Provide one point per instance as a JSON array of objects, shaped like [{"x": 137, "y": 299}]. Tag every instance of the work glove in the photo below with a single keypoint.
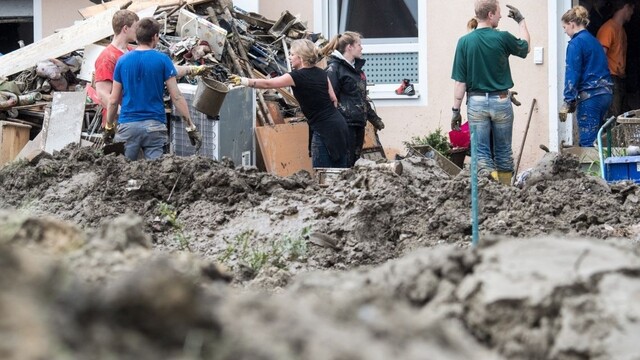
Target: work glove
[
  {"x": 108, "y": 133},
  {"x": 456, "y": 120},
  {"x": 197, "y": 70},
  {"x": 515, "y": 14},
  {"x": 512, "y": 95},
  {"x": 566, "y": 108},
  {"x": 195, "y": 137},
  {"x": 238, "y": 80},
  {"x": 377, "y": 123}
]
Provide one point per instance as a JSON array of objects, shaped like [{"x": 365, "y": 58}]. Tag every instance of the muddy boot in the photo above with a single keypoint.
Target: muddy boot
[{"x": 504, "y": 177}]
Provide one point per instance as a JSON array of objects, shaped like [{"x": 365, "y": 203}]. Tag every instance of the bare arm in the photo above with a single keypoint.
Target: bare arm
[
  {"x": 114, "y": 100},
  {"x": 178, "y": 100},
  {"x": 459, "y": 88},
  {"x": 277, "y": 82},
  {"x": 103, "y": 88},
  {"x": 524, "y": 33}
]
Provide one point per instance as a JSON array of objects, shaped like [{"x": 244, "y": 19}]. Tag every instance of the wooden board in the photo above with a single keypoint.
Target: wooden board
[
  {"x": 64, "y": 126},
  {"x": 58, "y": 44},
  {"x": 135, "y": 6},
  {"x": 13, "y": 137},
  {"x": 285, "y": 148}
]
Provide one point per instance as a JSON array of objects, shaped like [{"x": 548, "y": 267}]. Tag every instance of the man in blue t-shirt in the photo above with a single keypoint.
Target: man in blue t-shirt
[
  {"x": 481, "y": 69},
  {"x": 138, "y": 84}
]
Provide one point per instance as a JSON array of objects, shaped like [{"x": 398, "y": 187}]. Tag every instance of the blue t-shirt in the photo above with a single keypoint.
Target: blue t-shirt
[
  {"x": 142, "y": 74},
  {"x": 587, "y": 68}
]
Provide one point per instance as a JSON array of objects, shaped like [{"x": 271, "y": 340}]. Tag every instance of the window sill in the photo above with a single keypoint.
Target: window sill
[{"x": 391, "y": 95}]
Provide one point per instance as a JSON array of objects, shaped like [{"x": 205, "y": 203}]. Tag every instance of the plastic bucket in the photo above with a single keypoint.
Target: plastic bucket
[{"x": 209, "y": 96}]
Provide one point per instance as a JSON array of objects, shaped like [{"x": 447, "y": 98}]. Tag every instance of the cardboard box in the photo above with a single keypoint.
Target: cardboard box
[{"x": 13, "y": 137}]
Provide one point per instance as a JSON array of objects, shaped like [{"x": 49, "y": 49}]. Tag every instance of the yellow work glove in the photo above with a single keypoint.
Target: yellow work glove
[
  {"x": 109, "y": 133},
  {"x": 197, "y": 70},
  {"x": 238, "y": 80}
]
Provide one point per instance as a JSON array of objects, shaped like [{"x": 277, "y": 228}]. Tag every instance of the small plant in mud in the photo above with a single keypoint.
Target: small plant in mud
[
  {"x": 436, "y": 139},
  {"x": 277, "y": 252},
  {"x": 170, "y": 215}
]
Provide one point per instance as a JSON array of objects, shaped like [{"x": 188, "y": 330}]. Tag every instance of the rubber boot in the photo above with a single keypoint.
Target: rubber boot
[
  {"x": 494, "y": 176},
  {"x": 504, "y": 177}
]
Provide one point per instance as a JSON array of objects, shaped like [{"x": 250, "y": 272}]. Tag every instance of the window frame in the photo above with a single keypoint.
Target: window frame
[{"x": 326, "y": 22}]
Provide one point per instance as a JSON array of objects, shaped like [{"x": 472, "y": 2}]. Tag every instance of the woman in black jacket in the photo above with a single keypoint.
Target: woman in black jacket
[{"x": 344, "y": 68}]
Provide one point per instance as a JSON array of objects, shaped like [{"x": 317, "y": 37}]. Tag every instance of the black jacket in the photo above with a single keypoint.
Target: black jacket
[{"x": 350, "y": 85}]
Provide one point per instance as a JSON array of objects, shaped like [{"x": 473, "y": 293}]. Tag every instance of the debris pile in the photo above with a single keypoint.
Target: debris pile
[{"x": 225, "y": 39}]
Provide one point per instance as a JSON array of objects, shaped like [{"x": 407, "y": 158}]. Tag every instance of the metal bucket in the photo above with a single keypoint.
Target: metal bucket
[{"x": 209, "y": 96}]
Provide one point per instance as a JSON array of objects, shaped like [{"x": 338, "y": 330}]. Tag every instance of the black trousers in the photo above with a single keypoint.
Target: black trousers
[{"x": 356, "y": 142}]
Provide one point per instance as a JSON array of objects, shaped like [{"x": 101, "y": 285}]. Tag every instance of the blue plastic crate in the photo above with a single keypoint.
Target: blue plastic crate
[{"x": 622, "y": 168}]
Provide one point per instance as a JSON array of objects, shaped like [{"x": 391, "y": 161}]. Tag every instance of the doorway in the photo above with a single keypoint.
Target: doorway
[{"x": 599, "y": 12}]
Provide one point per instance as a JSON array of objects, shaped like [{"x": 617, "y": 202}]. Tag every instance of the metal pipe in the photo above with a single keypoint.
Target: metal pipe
[
  {"x": 524, "y": 138},
  {"x": 474, "y": 187}
]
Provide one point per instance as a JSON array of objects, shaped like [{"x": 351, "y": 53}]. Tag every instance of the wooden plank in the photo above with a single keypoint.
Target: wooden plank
[
  {"x": 135, "y": 6},
  {"x": 13, "y": 137},
  {"x": 285, "y": 148},
  {"x": 64, "y": 126},
  {"x": 58, "y": 44}
]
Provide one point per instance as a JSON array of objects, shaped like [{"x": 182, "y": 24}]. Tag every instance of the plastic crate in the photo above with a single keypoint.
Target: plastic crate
[
  {"x": 622, "y": 168},
  {"x": 628, "y": 130}
]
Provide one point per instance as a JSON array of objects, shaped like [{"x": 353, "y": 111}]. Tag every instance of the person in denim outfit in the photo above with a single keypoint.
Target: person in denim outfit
[
  {"x": 588, "y": 87},
  {"x": 138, "y": 83},
  {"x": 481, "y": 69}
]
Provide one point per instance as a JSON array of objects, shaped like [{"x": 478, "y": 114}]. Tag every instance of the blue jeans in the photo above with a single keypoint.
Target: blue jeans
[
  {"x": 492, "y": 117},
  {"x": 150, "y": 136},
  {"x": 320, "y": 157},
  {"x": 590, "y": 114}
]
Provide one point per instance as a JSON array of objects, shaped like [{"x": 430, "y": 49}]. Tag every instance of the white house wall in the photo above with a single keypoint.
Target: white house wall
[{"x": 445, "y": 23}]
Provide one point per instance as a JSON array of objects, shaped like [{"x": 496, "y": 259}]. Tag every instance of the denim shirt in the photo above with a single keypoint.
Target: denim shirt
[{"x": 587, "y": 71}]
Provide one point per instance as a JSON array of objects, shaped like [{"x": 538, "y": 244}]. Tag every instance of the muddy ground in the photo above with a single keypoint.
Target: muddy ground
[{"x": 189, "y": 258}]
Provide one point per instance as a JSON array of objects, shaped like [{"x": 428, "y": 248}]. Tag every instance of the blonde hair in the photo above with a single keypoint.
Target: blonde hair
[
  {"x": 306, "y": 50},
  {"x": 122, "y": 18},
  {"x": 340, "y": 42},
  {"x": 577, "y": 14},
  {"x": 472, "y": 24}
]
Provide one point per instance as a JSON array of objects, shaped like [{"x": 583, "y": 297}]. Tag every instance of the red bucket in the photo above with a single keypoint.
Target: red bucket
[{"x": 460, "y": 138}]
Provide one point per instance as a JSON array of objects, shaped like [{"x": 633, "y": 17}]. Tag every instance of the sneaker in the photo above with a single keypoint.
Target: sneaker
[{"x": 406, "y": 88}]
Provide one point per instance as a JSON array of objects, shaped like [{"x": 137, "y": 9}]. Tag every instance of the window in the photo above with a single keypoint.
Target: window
[{"x": 391, "y": 43}]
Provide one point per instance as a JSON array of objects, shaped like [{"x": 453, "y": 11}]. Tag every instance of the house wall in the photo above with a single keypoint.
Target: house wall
[
  {"x": 64, "y": 16},
  {"x": 272, "y": 9},
  {"x": 446, "y": 22}
]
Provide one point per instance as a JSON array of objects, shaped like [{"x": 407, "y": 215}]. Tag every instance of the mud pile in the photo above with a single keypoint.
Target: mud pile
[
  {"x": 259, "y": 224},
  {"x": 105, "y": 258},
  {"x": 546, "y": 298}
]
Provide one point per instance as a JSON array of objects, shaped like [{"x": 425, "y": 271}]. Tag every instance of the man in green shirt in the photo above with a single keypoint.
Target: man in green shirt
[{"x": 481, "y": 69}]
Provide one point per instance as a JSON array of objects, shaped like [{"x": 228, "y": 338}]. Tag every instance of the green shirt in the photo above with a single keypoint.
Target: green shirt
[{"x": 482, "y": 59}]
